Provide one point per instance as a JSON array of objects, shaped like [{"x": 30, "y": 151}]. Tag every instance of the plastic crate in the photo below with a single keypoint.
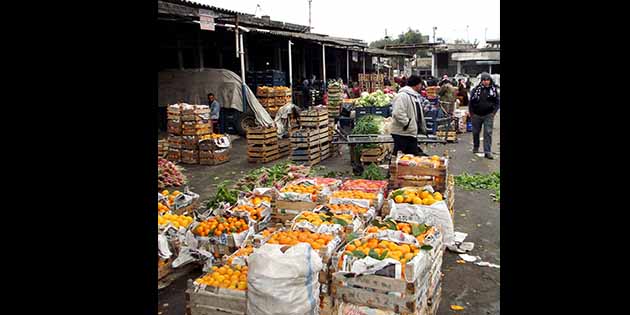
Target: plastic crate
[
  {"x": 382, "y": 111},
  {"x": 362, "y": 111}
]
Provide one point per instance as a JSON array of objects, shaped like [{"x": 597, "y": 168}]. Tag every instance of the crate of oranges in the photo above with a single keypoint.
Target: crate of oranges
[
  {"x": 258, "y": 216},
  {"x": 223, "y": 235},
  {"x": 239, "y": 257},
  {"x": 410, "y": 170},
  {"x": 403, "y": 272},
  {"x": 421, "y": 205},
  {"x": 325, "y": 244},
  {"x": 323, "y": 220},
  {"x": 221, "y": 291},
  {"x": 424, "y": 234},
  {"x": 365, "y": 213},
  {"x": 175, "y": 220},
  {"x": 297, "y": 196},
  {"x": 358, "y": 197},
  {"x": 366, "y": 185}
]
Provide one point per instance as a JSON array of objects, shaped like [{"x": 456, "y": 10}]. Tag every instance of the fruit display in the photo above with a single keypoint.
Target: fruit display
[
  {"x": 304, "y": 187},
  {"x": 216, "y": 226},
  {"x": 255, "y": 213},
  {"x": 412, "y": 160},
  {"x": 379, "y": 250},
  {"x": 227, "y": 277},
  {"x": 162, "y": 208},
  {"x": 345, "y": 208},
  {"x": 316, "y": 240},
  {"x": 417, "y": 230},
  {"x": 169, "y": 174},
  {"x": 365, "y": 185},
  {"x": 175, "y": 220},
  {"x": 416, "y": 196},
  {"x": 318, "y": 219},
  {"x": 170, "y": 196},
  {"x": 245, "y": 251},
  {"x": 331, "y": 183},
  {"x": 257, "y": 201}
]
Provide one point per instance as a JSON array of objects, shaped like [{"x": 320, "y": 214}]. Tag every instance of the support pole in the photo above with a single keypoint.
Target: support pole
[
  {"x": 324, "y": 64},
  {"x": 242, "y": 55},
  {"x": 348, "y": 67},
  {"x": 459, "y": 67},
  {"x": 433, "y": 63},
  {"x": 291, "y": 70},
  {"x": 363, "y": 55}
]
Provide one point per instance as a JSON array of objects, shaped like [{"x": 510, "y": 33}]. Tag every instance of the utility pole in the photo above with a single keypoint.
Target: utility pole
[
  {"x": 309, "y": 15},
  {"x": 485, "y": 35},
  {"x": 467, "y": 35},
  {"x": 434, "y": 28}
]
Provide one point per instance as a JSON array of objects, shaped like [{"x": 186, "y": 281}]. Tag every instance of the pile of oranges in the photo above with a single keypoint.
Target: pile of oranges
[
  {"x": 355, "y": 194},
  {"x": 170, "y": 196},
  {"x": 316, "y": 240},
  {"x": 228, "y": 277},
  {"x": 318, "y": 219},
  {"x": 405, "y": 228},
  {"x": 434, "y": 160},
  {"x": 416, "y": 196},
  {"x": 256, "y": 201},
  {"x": 365, "y": 185},
  {"x": 381, "y": 249},
  {"x": 176, "y": 220},
  {"x": 245, "y": 251},
  {"x": 268, "y": 231},
  {"x": 313, "y": 190},
  {"x": 220, "y": 225},
  {"x": 254, "y": 213},
  {"x": 347, "y": 208},
  {"x": 162, "y": 208}
]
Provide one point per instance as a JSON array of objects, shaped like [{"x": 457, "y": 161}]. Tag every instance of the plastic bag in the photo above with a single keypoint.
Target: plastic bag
[{"x": 283, "y": 283}]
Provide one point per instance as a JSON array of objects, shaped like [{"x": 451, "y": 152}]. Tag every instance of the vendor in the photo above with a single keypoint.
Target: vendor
[
  {"x": 408, "y": 118},
  {"x": 215, "y": 110}
]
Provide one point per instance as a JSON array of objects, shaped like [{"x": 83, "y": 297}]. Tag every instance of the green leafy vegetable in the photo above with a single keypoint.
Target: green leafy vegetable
[
  {"x": 373, "y": 172},
  {"x": 339, "y": 221},
  {"x": 351, "y": 237},
  {"x": 418, "y": 229},
  {"x": 490, "y": 181},
  {"x": 358, "y": 253},
  {"x": 426, "y": 247}
]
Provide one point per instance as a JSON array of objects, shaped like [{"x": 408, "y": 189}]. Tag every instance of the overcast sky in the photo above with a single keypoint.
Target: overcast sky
[{"x": 368, "y": 19}]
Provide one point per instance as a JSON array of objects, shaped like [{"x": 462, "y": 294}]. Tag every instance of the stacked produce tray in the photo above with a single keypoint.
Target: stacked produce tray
[
  {"x": 311, "y": 143},
  {"x": 262, "y": 145}
]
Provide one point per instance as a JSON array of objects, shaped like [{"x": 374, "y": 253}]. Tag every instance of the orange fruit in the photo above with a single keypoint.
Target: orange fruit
[
  {"x": 399, "y": 199},
  {"x": 417, "y": 201}
]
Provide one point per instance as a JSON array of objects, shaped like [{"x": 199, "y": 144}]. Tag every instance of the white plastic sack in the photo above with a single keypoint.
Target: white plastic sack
[{"x": 283, "y": 283}]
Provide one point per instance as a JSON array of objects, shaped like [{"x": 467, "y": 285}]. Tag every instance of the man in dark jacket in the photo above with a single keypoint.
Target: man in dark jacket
[{"x": 483, "y": 105}]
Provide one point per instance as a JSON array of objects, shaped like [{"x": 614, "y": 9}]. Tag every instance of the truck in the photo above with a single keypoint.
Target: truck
[{"x": 239, "y": 107}]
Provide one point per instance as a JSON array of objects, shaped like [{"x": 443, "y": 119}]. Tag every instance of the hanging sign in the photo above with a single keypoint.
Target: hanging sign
[{"x": 206, "y": 20}]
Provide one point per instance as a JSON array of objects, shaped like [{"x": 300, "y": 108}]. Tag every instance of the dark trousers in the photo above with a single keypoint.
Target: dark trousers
[
  {"x": 486, "y": 121},
  {"x": 406, "y": 144}
]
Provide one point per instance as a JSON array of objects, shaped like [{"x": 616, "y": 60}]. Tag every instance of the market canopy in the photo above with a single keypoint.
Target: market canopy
[{"x": 387, "y": 53}]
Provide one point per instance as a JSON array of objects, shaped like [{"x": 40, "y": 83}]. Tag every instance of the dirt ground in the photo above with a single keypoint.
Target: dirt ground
[{"x": 474, "y": 287}]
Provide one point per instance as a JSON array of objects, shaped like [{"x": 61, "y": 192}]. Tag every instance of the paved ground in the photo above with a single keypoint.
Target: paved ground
[{"x": 473, "y": 287}]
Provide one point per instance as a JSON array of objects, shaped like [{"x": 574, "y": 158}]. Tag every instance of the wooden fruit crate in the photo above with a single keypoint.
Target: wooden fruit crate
[
  {"x": 174, "y": 155},
  {"x": 437, "y": 175},
  {"x": 261, "y": 133},
  {"x": 373, "y": 155},
  {"x": 374, "y": 291},
  {"x": 450, "y": 137},
  {"x": 177, "y": 273},
  {"x": 215, "y": 301}
]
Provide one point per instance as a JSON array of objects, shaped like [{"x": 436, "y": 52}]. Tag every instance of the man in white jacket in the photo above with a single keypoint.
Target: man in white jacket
[{"x": 408, "y": 118}]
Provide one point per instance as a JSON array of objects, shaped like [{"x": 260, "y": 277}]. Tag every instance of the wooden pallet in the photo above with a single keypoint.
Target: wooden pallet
[
  {"x": 252, "y": 147},
  {"x": 373, "y": 291},
  {"x": 315, "y": 124},
  {"x": 215, "y": 301}
]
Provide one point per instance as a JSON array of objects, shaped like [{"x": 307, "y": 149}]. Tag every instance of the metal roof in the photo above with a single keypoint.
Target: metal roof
[
  {"x": 314, "y": 37},
  {"x": 384, "y": 52},
  {"x": 205, "y": 6}
]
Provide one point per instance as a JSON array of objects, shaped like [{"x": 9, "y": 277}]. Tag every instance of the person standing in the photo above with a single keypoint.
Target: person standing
[
  {"x": 448, "y": 95},
  {"x": 445, "y": 80},
  {"x": 408, "y": 118},
  {"x": 463, "y": 92},
  {"x": 484, "y": 104},
  {"x": 215, "y": 112}
]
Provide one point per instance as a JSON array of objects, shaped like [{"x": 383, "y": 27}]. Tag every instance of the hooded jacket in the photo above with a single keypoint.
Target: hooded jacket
[
  {"x": 406, "y": 118},
  {"x": 484, "y": 100}
]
